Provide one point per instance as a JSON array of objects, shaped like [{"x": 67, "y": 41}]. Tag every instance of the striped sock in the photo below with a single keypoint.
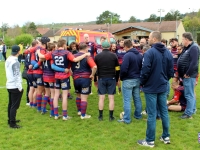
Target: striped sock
[
  {"x": 39, "y": 101},
  {"x": 51, "y": 107},
  {"x": 83, "y": 108},
  {"x": 44, "y": 104},
  {"x": 64, "y": 112},
  {"x": 31, "y": 104},
  {"x": 48, "y": 101},
  {"x": 34, "y": 104},
  {"x": 78, "y": 103},
  {"x": 56, "y": 111}
]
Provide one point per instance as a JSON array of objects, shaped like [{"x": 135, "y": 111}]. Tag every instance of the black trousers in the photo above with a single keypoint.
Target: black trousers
[
  {"x": 4, "y": 55},
  {"x": 20, "y": 58},
  {"x": 14, "y": 96},
  {"x": 27, "y": 91}
]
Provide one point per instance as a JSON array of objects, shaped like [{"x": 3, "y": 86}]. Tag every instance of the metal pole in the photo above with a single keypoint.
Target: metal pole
[{"x": 111, "y": 20}]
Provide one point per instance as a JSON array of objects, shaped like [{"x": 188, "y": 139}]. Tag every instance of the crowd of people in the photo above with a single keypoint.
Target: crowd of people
[{"x": 145, "y": 66}]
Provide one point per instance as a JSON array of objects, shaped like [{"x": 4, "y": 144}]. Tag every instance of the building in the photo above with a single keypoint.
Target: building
[
  {"x": 168, "y": 29},
  {"x": 51, "y": 34}
]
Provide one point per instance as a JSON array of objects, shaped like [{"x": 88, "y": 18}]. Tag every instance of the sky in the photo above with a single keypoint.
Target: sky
[{"x": 71, "y": 11}]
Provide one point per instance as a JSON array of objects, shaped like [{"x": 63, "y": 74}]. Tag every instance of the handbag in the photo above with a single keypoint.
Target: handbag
[{"x": 24, "y": 74}]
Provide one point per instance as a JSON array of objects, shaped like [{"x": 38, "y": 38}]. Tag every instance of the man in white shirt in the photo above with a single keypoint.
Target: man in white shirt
[{"x": 13, "y": 85}]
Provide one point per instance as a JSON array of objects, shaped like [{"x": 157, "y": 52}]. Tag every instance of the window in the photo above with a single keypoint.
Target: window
[{"x": 69, "y": 39}]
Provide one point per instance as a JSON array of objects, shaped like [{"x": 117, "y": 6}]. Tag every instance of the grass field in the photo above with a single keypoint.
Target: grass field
[{"x": 39, "y": 132}]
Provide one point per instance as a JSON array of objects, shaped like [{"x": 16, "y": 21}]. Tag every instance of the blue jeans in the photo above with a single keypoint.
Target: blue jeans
[
  {"x": 1, "y": 56},
  {"x": 131, "y": 88},
  {"x": 189, "y": 84},
  {"x": 153, "y": 101}
]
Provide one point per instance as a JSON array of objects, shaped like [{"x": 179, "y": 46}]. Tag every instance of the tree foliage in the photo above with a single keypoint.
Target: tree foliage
[
  {"x": 30, "y": 28},
  {"x": 25, "y": 38},
  {"x": 14, "y": 31},
  {"x": 172, "y": 15},
  {"x": 107, "y": 16},
  {"x": 132, "y": 19},
  {"x": 153, "y": 18},
  {"x": 9, "y": 41}
]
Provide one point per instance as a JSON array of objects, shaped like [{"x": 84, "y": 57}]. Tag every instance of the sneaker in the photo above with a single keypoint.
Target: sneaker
[
  {"x": 66, "y": 118},
  {"x": 184, "y": 116},
  {"x": 70, "y": 97},
  {"x": 120, "y": 120},
  {"x": 79, "y": 113},
  {"x": 86, "y": 116},
  {"x": 145, "y": 143},
  {"x": 15, "y": 126},
  {"x": 165, "y": 140},
  {"x": 27, "y": 104},
  {"x": 57, "y": 117},
  {"x": 144, "y": 112},
  {"x": 111, "y": 118},
  {"x": 44, "y": 112},
  {"x": 91, "y": 93},
  {"x": 100, "y": 118}
]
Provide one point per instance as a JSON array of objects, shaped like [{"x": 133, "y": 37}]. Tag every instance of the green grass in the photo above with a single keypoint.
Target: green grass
[{"x": 39, "y": 132}]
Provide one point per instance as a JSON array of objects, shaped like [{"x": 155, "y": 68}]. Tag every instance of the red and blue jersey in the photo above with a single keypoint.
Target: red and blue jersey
[
  {"x": 48, "y": 73},
  {"x": 92, "y": 49},
  {"x": 28, "y": 61},
  {"x": 62, "y": 59},
  {"x": 99, "y": 49},
  {"x": 82, "y": 69},
  {"x": 120, "y": 52},
  {"x": 175, "y": 57}
]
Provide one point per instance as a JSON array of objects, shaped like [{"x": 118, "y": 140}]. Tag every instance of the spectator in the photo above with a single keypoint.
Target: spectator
[
  {"x": 4, "y": 51},
  {"x": 188, "y": 64},
  {"x": 1, "y": 51},
  {"x": 13, "y": 85},
  {"x": 107, "y": 78},
  {"x": 73, "y": 47},
  {"x": 20, "y": 52},
  {"x": 161, "y": 70},
  {"x": 163, "y": 41},
  {"x": 130, "y": 76},
  {"x": 145, "y": 48}
]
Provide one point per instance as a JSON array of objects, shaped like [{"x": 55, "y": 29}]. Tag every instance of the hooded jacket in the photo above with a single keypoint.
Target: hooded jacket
[
  {"x": 157, "y": 69},
  {"x": 131, "y": 65}
]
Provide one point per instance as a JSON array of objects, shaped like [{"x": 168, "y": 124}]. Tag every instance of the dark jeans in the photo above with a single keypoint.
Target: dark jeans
[
  {"x": 14, "y": 101},
  {"x": 27, "y": 91},
  {"x": 4, "y": 56}
]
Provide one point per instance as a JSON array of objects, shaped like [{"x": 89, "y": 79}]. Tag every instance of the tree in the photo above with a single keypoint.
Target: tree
[
  {"x": 9, "y": 41},
  {"x": 24, "y": 38},
  {"x": 171, "y": 16},
  {"x": 14, "y": 31},
  {"x": 107, "y": 16},
  {"x": 132, "y": 19},
  {"x": 32, "y": 29},
  {"x": 152, "y": 18}
]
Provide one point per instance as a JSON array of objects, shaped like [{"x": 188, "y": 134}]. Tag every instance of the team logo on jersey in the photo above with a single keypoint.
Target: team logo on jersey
[
  {"x": 85, "y": 90},
  {"x": 99, "y": 50},
  {"x": 89, "y": 44},
  {"x": 39, "y": 80},
  {"x": 34, "y": 84},
  {"x": 175, "y": 56},
  {"x": 51, "y": 84},
  {"x": 45, "y": 83},
  {"x": 57, "y": 85},
  {"x": 64, "y": 85},
  {"x": 121, "y": 51}
]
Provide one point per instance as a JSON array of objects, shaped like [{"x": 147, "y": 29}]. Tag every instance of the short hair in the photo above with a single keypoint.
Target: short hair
[
  {"x": 164, "y": 41},
  {"x": 103, "y": 37},
  {"x": 51, "y": 46},
  {"x": 156, "y": 35},
  {"x": 146, "y": 47},
  {"x": 83, "y": 46},
  {"x": 61, "y": 42},
  {"x": 128, "y": 43},
  {"x": 188, "y": 36},
  {"x": 173, "y": 39},
  {"x": 121, "y": 40},
  {"x": 34, "y": 43},
  {"x": 73, "y": 43}
]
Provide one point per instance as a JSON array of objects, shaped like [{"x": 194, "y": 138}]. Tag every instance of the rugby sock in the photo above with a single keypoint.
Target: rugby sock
[
  {"x": 34, "y": 104},
  {"x": 78, "y": 103},
  {"x": 39, "y": 101},
  {"x": 56, "y": 111},
  {"x": 111, "y": 113},
  {"x": 83, "y": 108},
  {"x": 100, "y": 113},
  {"x": 51, "y": 107},
  {"x": 45, "y": 99},
  {"x": 64, "y": 112},
  {"x": 48, "y": 101},
  {"x": 31, "y": 104}
]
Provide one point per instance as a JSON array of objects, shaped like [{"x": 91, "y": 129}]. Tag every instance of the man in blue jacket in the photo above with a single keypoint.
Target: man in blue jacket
[
  {"x": 130, "y": 77},
  {"x": 156, "y": 71}
]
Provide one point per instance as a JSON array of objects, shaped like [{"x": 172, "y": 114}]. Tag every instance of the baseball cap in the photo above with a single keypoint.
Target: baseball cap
[
  {"x": 105, "y": 44},
  {"x": 15, "y": 49}
]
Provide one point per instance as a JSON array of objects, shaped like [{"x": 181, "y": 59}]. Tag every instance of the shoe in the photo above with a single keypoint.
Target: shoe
[
  {"x": 66, "y": 118},
  {"x": 44, "y": 112},
  {"x": 79, "y": 113},
  {"x": 100, "y": 118},
  {"x": 111, "y": 118},
  {"x": 120, "y": 120},
  {"x": 184, "y": 116},
  {"x": 91, "y": 93},
  {"x": 165, "y": 140},
  {"x": 144, "y": 112},
  {"x": 15, "y": 126},
  {"x": 70, "y": 97},
  {"x": 158, "y": 118},
  {"x": 86, "y": 116},
  {"x": 145, "y": 143},
  {"x": 57, "y": 117},
  {"x": 51, "y": 116},
  {"x": 16, "y": 121},
  {"x": 27, "y": 104}
]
